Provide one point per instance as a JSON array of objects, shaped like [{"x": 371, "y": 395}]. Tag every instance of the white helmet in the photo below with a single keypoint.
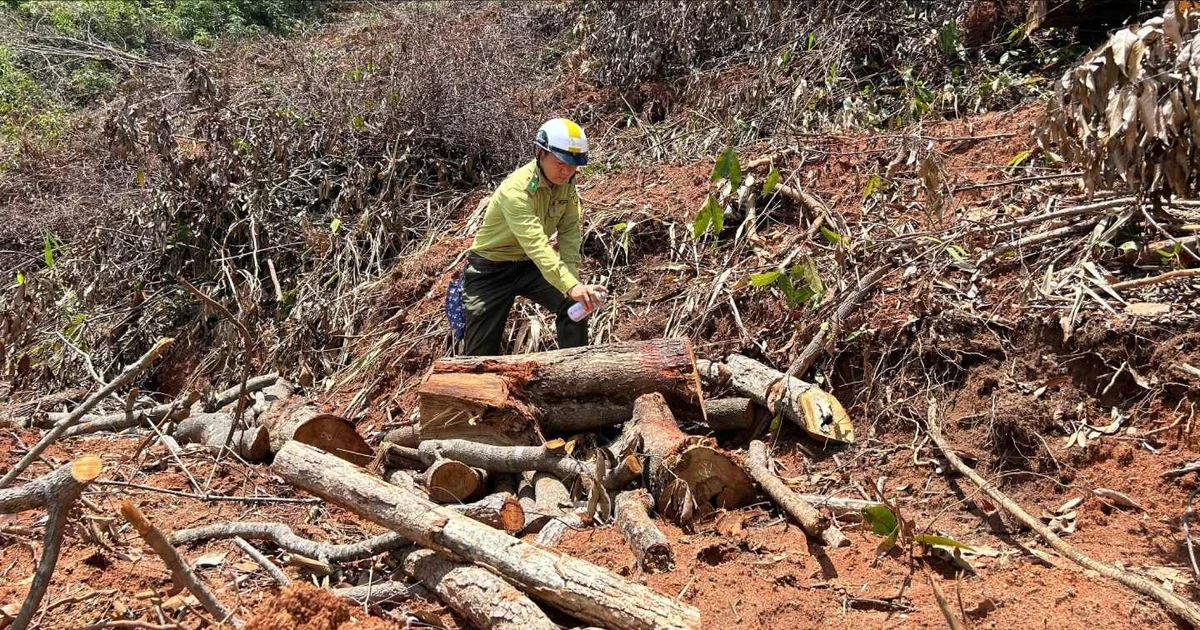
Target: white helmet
[{"x": 565, "y": 140}]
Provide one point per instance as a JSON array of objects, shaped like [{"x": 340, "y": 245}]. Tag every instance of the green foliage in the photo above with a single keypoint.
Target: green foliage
[
  {"x": 833, "y": 237},
  {"x": 772, "y": 182},
  {"x": 933, "y": 540},
  {"x": 949, "y": 39},
  {"x": 711, "y": 216},
  {"x": 800, "y": 285},
  {"x": 872, "y": 186},
  {"x": 50, "y": 246},
  {"x": 727, "y": 167},
  {"x": 883, "y": 522}
]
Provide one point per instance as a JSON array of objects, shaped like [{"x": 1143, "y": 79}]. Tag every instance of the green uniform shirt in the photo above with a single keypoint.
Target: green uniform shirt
[{"x": 522, "y": 215}]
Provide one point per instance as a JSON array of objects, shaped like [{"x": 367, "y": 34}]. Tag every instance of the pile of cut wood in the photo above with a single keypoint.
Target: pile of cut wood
[{"x": 508, "y": 454}]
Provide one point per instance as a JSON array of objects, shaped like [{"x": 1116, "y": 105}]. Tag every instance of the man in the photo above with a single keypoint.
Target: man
[{"x": 512, "y": 255}]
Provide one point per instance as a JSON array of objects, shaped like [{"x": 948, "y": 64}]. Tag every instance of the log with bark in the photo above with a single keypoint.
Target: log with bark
[
  {"x": 483, "y": 598},
  {"x": 57, "y": 492},
  {"x": 551, "y": 457},
  {"x": 283, "y": 537},
  {"x": 687, "y": 476},
  {"x": 818, "y": 413},
  {"x": 450, "y": 481},
  {"x": 210, "y": 429},
  {"x": 518, "y": 399},
  {"x": 408, "y": 435},
  {"x": 729, "y": 414},
  {"x": 758, "y": 463},
  {"x": 306, "y": 423},
  {"x": 574, "y": 586},
  {"x": 650, "y": 545}
]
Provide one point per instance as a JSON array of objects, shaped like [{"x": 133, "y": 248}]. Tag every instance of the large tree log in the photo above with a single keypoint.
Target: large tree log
[
  {"x": 759, "y": 465},
  {"x": 211, "y": 429},
  {"x": 687, "y": 476},
  {"x": 729, "y": 414},
  {"x": 408, "y": 435},
  {"x": 515, "y": 399},
  {"x": 577, "y": 587},
  {"x": 650, "y": 546},
  {"x": 306, "y": 423},
  {"x": 480, "y": 596},
  {"x": 57, "y": 492},
  {"x": 819, "y": 414}
]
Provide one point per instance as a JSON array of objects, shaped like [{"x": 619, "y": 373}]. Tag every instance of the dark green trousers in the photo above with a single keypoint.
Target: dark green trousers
[{"x": 489, "y": 290}]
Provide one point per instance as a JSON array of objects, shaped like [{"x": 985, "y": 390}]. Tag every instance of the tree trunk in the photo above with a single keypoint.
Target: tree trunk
[
  {"x": 408, "y": 435},
  {"x": 306, "y": 423},
  {"x": 819, "y": 414},
  {"x": 448, "y": 481},
  {"x": 211, "y": 429},
  {"x": 650, "y": 546},
  {"x": 518, "y": 399},
  {"x": 687, "y": 477},
  {"x": 484, "y": 599},
  {"x": 577, "y": 587},
  {"x": 729, "y": 414}
]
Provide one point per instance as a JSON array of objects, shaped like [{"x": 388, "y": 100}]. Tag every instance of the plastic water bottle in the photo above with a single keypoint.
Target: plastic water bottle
[{"x": 578, "y": 311}]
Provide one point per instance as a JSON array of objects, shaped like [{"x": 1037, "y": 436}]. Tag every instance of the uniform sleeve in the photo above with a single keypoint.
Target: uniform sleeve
[
  {"x": 531, "y": 234},
  {"x": 569, "y": 237}
]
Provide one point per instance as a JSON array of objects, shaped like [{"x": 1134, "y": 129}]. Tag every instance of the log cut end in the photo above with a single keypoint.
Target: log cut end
[
  {"x": 480, "y": 407},
  {"x": 86, "y": 468},
  {"x": 715, "y": 479},
  {"x": 825, "y": 418},
  {"x": 331, "y": 433},
  {"x": 254, "y": 444},
  {"x": 512, "y": 515},
  {"x": 449, "y": 481}
]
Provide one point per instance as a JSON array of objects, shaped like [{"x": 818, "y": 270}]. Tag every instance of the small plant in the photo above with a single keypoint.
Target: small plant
[
  {"x": 711, "y": 215},
  {"x": 800, "y": 285}
]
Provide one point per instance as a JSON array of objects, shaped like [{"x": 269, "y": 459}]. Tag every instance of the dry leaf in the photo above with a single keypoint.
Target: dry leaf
[
  {"x": 1147, "y": 309},
  {"x": 1118, "y": 499},
  {"x": 211, "y": 559},
  {"x": 731, "y": 524}
]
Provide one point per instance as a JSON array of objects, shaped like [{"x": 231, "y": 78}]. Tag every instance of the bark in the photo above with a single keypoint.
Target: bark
[
  {"x": 271, "y": 568},
  {"x": 399, "y": 478},
  {"x": 729, "y": 414},
  {"x": 819, "y": 414},
  {"x": 481, "y": 597},
  {"x": 57, "y": 492},
  {"x": 687, "y": 478},
  {"x": 1172, "y": 602},
  {"x": 384, "y": 592},
  {"x": 628, "y": 470},
  {"x": 408, "y": 435},
  {"x": 252, "y": 444},
  {"x": 506, "y": 459},
  {"x": 501, "y": 510},
  {"x": 841, "y": 507},
  {"x": 574, "y": 586},
  {"x": 814, "y": 524},
  {"x": 650, "y": 546},
  {"x": 181, "y": 573},
  {"x": 306, "y": 423},
  {"x": 518, "y": 399}
]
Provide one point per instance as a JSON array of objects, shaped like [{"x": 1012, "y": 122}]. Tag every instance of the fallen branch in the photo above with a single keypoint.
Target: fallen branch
[
  {"x": 1065, "y": 213},
  {"x": 124, "y": 378},
  {"x": 210, "y": 429},
  {"x": 1170, "y": 276},
  {"x": 226, "y": 498},
  {"x": 575, "y": 586},
  {"x": 174, "y": 410},
  {"x": 1035, "y": 239},
  {"x": 816, "y": 345},
  {"x": 650, "y": 546},
  {"x": 505, "y": 459},
  {"x": 271, "y": 568},
  {"x": 383, "y": 592},
  {"x": 483, "y": 598},
  {"x": 1172, "y": 602},
  {"x": 759, "y": 465},
  {"x": 729, "y": 414},
  {"x": 284, "y": 538},
  {"x": 181, "y": 574},
  {"x": 57, "y": 492}
]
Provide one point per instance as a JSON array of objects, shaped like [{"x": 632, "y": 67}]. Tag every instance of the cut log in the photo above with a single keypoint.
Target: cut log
[
  {"x": 449, "y": 481},
  {"x": 384, "y": 593},
  {"x": 484, "y": 599},
  {"x": 506, "y": 459},
  {"x": 517, "y": 399},
  {"x": 501, "y": 510},
  {"x": 759, "y": 465},
  {"x": 650, "y": 546},
  {"x": 687, "y": 476},
  {"x": 211, "y": 429},
  {"x": 627, "y": 470},
  {"x": 574, "y": 586},
  {"x": 399, "y": 478},
  {"x": 405, "y": 457},
  {"x": 306, "y": 423},
  {"x": 729, "y": 414},
  {"x": 819, "y": 414}
]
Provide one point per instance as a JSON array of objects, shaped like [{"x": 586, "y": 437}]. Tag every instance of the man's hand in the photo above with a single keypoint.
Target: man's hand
[{"x": 590, "y": 295}]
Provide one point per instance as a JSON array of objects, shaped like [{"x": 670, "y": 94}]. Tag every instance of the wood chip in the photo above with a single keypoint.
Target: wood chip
[{"x": 1118, "y": 499}]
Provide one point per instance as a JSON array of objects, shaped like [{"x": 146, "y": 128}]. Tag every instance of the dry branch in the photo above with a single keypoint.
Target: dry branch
[
  {"x": 505, "y": 459},
  {"x": 816, "y": 345},
  {"x": 124, "y": 378},
  {"x": 759, "y": 464},
  {"x": 1170, "y": 276},
  {"x": 57, "y": 492},
  {"x": 572, "y": 585},
  {"x": 1172, "y": 602},
  {"x": 284, "y": 538},
  {"x": 274, "y": 571},
  {"x": 210, "y": 429},
  {"x": 481, "y": 597},
  {"x": 383, "y": 592},
  {"x": 181, "y": 573},
  {"x": 651, "y": 548}
]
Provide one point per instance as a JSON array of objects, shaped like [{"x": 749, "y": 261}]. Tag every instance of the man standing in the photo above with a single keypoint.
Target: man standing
[{"x": 512, "y": 255}]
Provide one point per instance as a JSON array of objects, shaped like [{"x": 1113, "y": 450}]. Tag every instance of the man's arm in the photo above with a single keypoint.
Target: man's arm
[
  {"x": 531, "y": 234},
  {"x": 569, "y": 236}
]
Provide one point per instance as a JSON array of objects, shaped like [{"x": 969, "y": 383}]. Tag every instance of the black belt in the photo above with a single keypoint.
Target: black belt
[{"x": 479, "y": 261}]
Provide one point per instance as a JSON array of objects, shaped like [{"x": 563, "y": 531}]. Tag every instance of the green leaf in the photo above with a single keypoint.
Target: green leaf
[
  {"x": 795, "y": 296},
  {"x": 20, "y": 278},
  {"x": 772, "y": 182},
  {"x": 1128, "y": 247},
  {"x": 872, "y": 186},
  {"x": 711, "y": 216},
  {"x": 957, "y": 253},
  {"x": 939, "y": 541},
  {"x": 335, "y": 225},
  {"x": 812, "y": 40},
  {"x": 765, "y": 279},
  {"x": 49, "y": 244},
  {"x": 948, "y": 39},
  {"x": 358, "y": 122},
  {"x": 1020, "y": 157},
  {"x": 833, "y": 237},
  {"x": 881, "y": 520},
  {"x": 776, "y": 422},
  {"x": 620, "y": 227},
  {"x": 808, "y": 271},
  {"x": 783, "y": 59},
  {"x": 727, "y": 167}
]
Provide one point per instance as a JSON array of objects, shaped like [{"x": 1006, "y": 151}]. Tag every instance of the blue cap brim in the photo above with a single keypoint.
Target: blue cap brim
[{"x": 574, "y": 159}]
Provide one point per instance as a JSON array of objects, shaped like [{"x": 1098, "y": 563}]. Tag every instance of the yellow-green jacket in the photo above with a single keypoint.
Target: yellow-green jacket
[{"x": 522, "y": 215}]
